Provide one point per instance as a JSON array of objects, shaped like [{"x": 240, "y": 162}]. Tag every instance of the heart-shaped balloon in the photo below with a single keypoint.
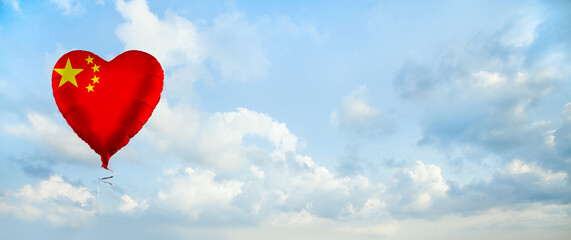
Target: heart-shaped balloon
[{"x": 107, "y": 103}]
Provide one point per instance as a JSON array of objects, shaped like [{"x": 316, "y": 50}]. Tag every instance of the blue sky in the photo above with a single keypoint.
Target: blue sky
[{"x": 303, "y": 120}]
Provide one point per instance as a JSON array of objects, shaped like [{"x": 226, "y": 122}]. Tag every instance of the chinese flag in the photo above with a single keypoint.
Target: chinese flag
[{"x": 107, "y": 103}]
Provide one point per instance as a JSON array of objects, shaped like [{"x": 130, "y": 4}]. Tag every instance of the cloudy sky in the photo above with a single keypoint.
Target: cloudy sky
[{"x": 298, "y": 120}]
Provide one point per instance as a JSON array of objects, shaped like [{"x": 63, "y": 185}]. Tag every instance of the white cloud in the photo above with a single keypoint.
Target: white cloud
[
  {"x": 517, "y": 185},
  {"x": 522, "y": 32},
  {"x": 69, "y": 7},
  {"x": 480, "y": 99},
  {"x": 56, "y": 137},
  {"x": 128, "y": 205},
  {"x": 358, "y": 116},
  {"x": 537, "y": 221},
  {"x": 535, "y": 174},
  {"x": 420, "y": 191},
  {"x": 487, "y": 79},
  {"x": 281, "y": 191},
  {"x": 173, "y": 40},
  {"x": 369, "y": 229},
  {"x": 418, "y": 188},
  {"x": 191, "y": 191},
  {"x": 304, "y": 220},
  {"x": 316, "y": 189},
  {"x": 234, "y": 45},
  {"x": 297, "y": 187},
  {"x": 534, "y": 222},
  {"x": 27, "y": 211},
  {"x": 55, "y": 188},
  {"x": 550, "y": 137},
  {"x": 257, "y": 172},
  {"x": 259, "y": 180},
  {"x": 217, "y": 140},
  {"x": 295, "y": 219},
  {"x": 54, "y": 200}
]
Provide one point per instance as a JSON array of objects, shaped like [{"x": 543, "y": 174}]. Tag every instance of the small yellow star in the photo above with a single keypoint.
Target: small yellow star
[
  {"x": 95, "y": 68},
  {"x": 68, "y": 74},
  {"x": 95, "y": 79},
  {"x": 89, "y": 59},
  {"x": 89, "y": 88}
]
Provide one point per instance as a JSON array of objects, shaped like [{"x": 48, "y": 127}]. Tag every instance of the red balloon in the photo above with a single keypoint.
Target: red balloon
[{"x": 107, "y": 103}]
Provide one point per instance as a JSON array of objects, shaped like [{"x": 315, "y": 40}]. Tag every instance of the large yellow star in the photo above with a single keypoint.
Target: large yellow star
[{"x": 68, "y": 73}]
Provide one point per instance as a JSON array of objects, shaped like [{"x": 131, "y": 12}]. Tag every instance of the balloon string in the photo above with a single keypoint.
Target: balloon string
[
  {"x": 105, "y": 178},
  {"x": 102, "y": 179},
  {"x": 100, "y": 207}
]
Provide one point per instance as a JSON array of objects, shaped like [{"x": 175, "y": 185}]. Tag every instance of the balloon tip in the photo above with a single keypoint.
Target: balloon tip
[{"x": 105, "y": 167}]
